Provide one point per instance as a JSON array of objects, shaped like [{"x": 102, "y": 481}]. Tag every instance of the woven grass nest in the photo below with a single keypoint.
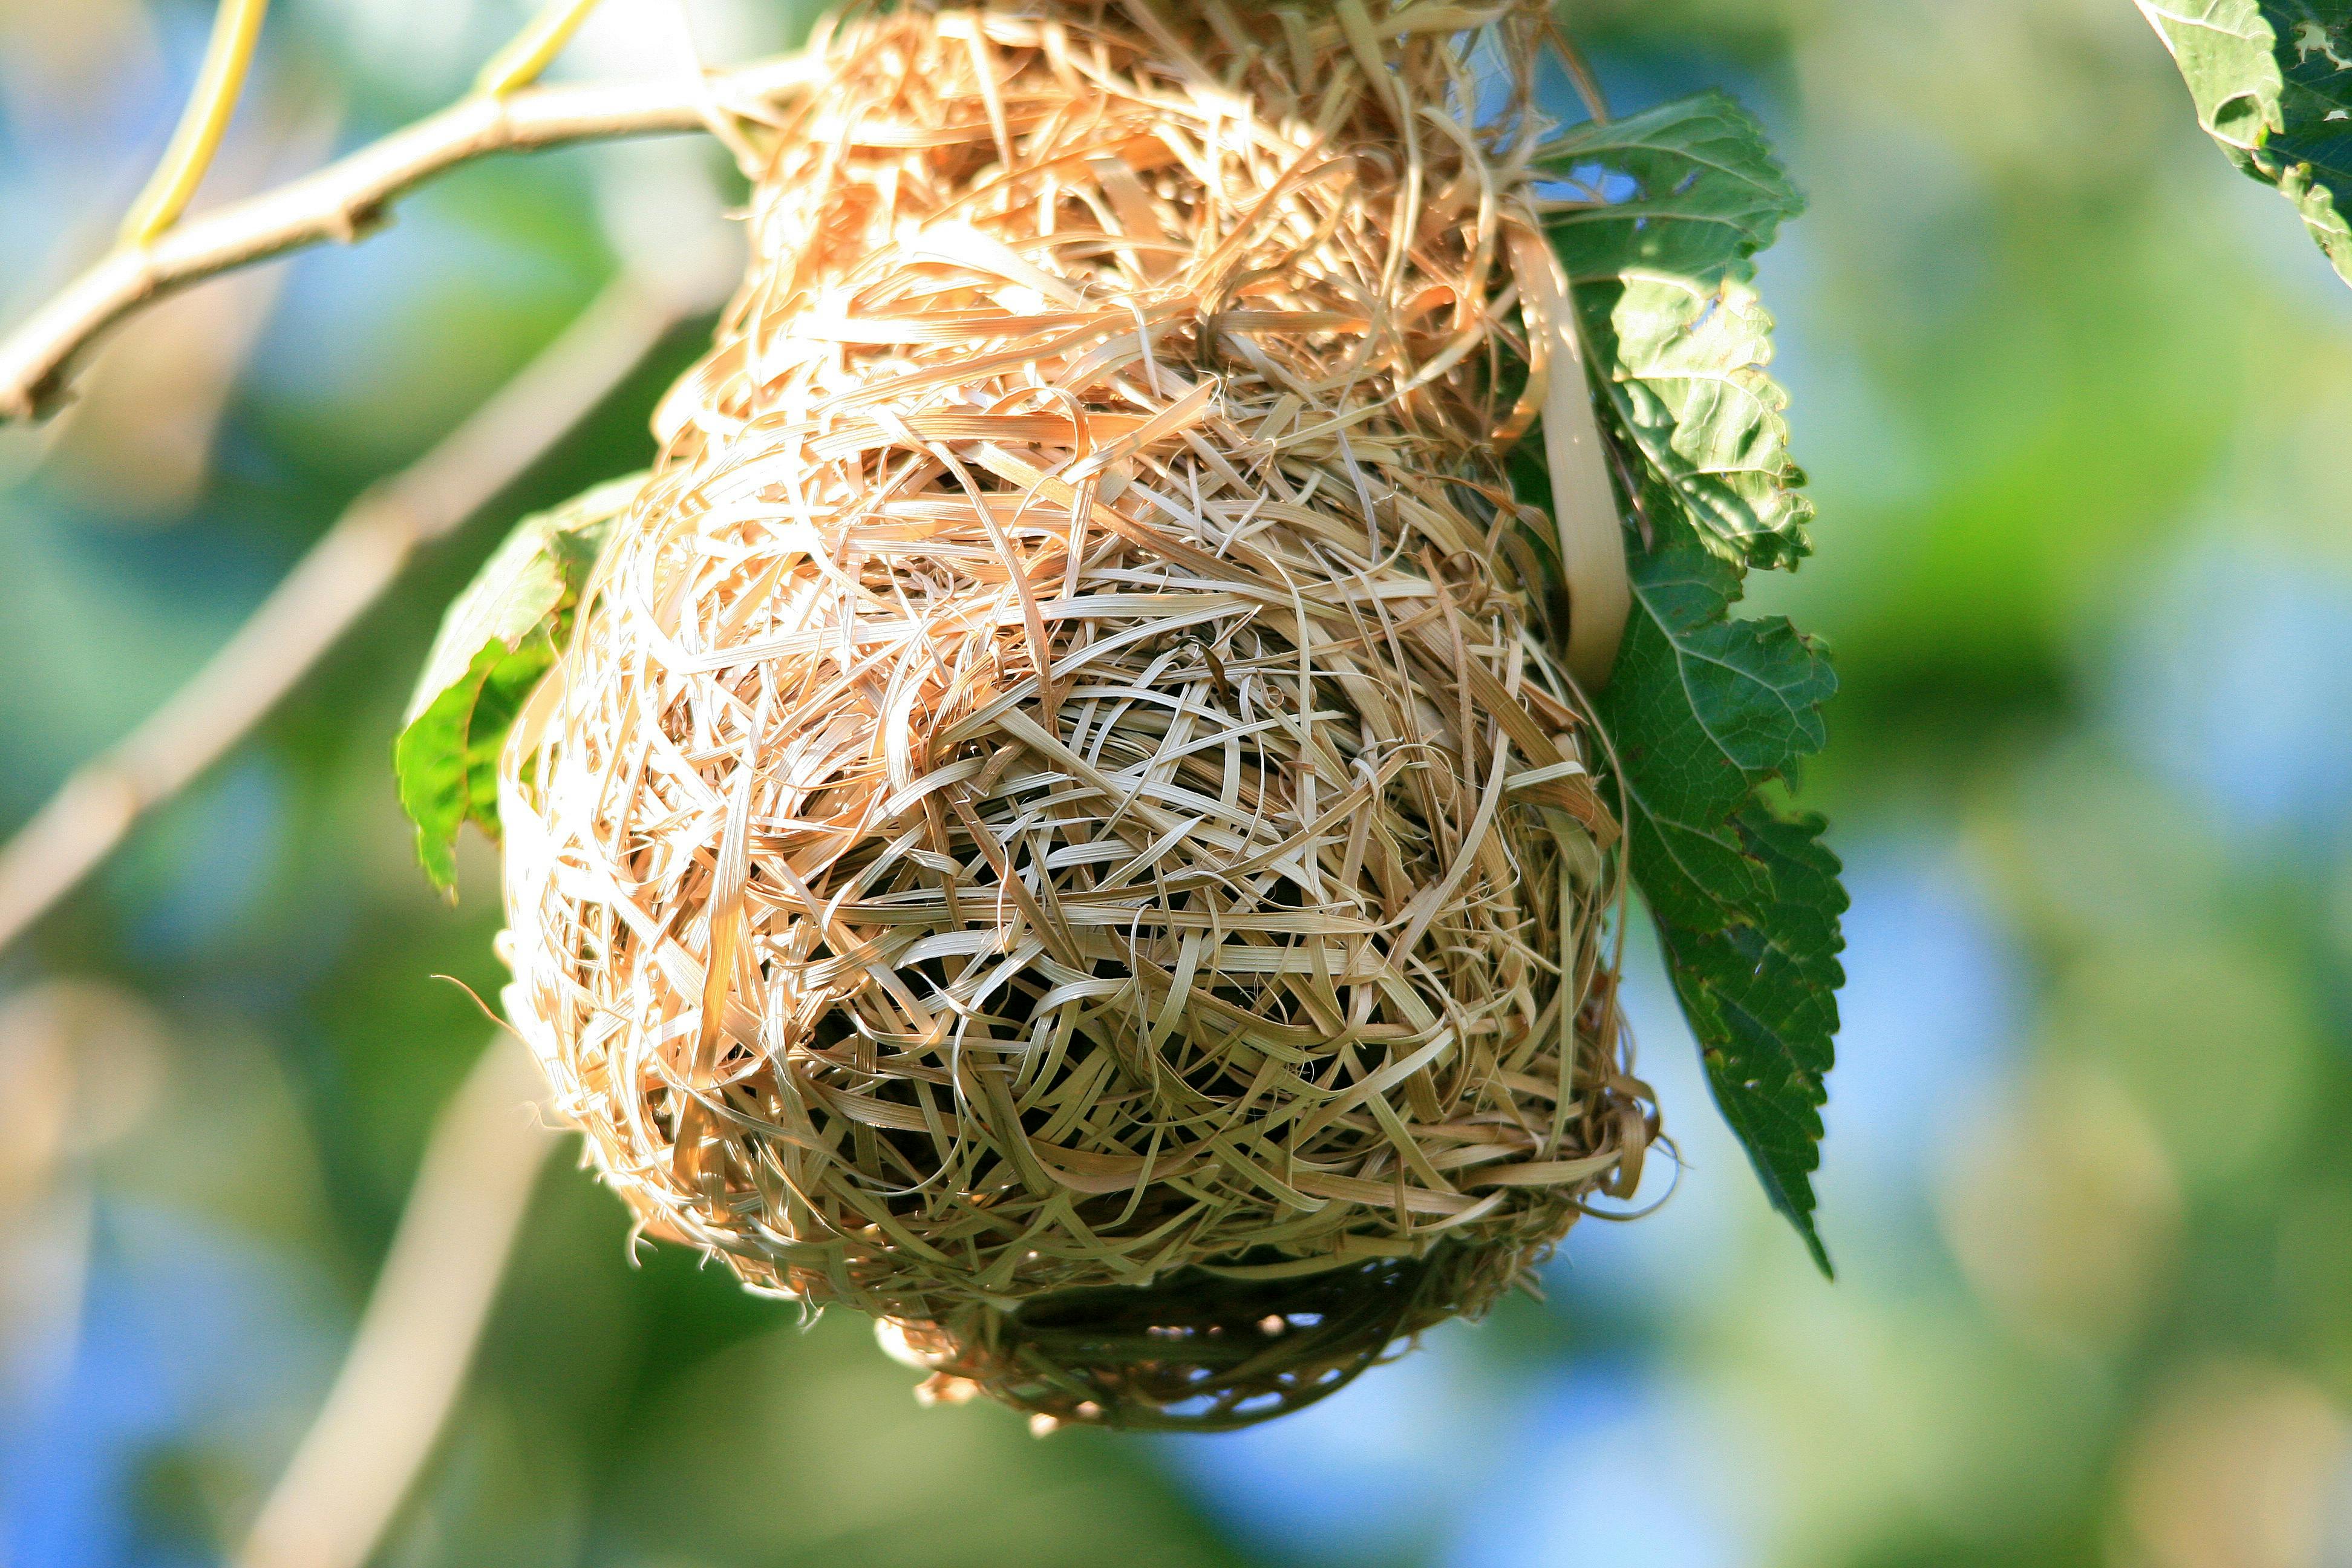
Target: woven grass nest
[{"x": 1061, "y": 825}]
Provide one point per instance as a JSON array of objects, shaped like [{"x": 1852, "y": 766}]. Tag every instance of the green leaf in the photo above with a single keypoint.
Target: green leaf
[
  {"x": 2273, "y": 84},
  {"x": 1669, "y": 208},
  {"x": 1704, "y": 710},
  {"x": 498, "y": 638},
  {"x": 1689, "y": 189},
  {"x": 1657, "y": 218},
  {"x": 1761, "y": 992}
]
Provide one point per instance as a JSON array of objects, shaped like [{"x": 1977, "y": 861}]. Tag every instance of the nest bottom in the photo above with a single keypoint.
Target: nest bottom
[{"x": 1205, "y": 1350}]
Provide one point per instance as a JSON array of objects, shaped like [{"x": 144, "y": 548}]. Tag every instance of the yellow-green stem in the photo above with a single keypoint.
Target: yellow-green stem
[
  {"x": 530, "y": 51},
  {"x": 219, "y": 83}
]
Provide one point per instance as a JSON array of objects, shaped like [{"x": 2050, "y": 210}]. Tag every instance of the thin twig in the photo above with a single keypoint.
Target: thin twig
[
  {"x": 407, "y": 1362},
  {"x": 348, "y": 198},
  {"x": 344, "y": 574}
]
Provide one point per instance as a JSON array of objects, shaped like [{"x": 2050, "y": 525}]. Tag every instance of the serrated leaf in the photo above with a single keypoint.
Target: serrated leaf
[
  {"x": 1687, "y": 377},
  {"x": 1672, "y": 205},
  {"x": 1657, "y": 221},
  {"x": 2273, "y": 84},
  {"x": 1703, "y": 710},
  {"x": 1760, "y": 987},
  {"x": 498, "y": 638}
]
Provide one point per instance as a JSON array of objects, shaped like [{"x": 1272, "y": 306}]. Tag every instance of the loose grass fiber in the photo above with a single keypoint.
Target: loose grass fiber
[{"x": 1061, "y": 826}]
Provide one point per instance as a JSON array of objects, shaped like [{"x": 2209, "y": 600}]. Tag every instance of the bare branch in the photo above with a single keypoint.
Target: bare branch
[
  {"x": 344, "y": 574},
  {"x": 348, "y": 198},
  {"x": 417, "y": 1338}
]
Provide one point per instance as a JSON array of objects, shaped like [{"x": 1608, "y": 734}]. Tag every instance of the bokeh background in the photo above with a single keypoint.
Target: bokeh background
[{"x": 2074, "y": 397}]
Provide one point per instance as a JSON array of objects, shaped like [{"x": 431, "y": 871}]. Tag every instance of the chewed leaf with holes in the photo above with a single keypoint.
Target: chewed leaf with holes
[
  {"x": 1658, "y": 217},
  {"x": 499, "y": 636},
  {"x": 2273, "y": 84}
]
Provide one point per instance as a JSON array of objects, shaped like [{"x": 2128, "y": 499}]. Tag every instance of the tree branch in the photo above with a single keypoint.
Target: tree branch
[
  {"x": 348, "y": 198},
  {"x": 407, "y": 1362},
  {"x": 344, "y": 574}
]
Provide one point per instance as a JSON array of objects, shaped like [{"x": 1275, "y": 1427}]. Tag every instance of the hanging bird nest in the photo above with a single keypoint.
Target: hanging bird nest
[{"x": 1061, "y": 825}]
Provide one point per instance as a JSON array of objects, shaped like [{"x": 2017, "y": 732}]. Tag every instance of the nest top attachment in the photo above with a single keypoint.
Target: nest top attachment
[{"x": 1061, "y": 825}]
